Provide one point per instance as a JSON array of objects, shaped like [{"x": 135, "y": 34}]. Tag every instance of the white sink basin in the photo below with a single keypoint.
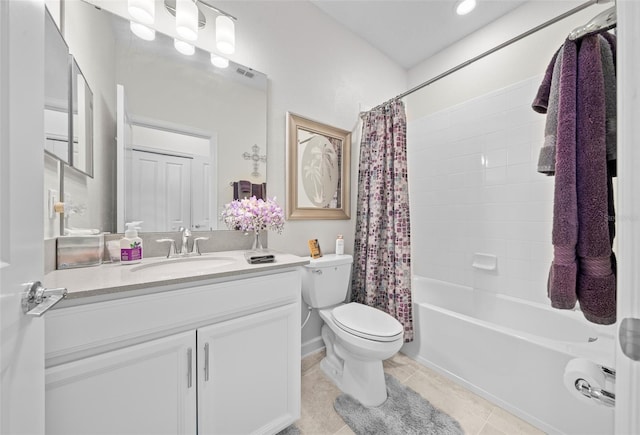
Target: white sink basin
[{"x": 187, "y": 265}]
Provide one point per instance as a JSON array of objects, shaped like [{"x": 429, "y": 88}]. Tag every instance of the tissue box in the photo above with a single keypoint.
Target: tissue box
[{"x": 80, "y": 251}]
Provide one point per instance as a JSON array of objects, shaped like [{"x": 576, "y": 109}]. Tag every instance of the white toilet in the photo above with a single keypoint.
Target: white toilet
[{"x": 357, "y": 337}]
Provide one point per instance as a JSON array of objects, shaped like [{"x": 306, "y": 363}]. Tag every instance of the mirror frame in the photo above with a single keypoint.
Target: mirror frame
[
  {"x": 50, "y": 23},
  {"x": 295, "y": 124},
  {"x": 87, "y": 115}
]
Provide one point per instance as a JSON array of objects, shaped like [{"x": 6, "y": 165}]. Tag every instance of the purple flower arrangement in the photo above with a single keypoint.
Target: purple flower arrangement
[{"x": 251, "y": 214}]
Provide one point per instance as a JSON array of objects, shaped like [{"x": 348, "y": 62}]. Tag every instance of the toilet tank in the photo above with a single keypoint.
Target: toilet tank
[{"x": 325, "y": 280}]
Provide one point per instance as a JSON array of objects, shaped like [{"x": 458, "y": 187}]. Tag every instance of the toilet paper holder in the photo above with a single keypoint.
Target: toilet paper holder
[{"x": 601, "y": 395}]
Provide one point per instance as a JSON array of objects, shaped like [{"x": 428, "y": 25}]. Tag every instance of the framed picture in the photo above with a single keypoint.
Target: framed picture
[{"x": 318, "y": 161}]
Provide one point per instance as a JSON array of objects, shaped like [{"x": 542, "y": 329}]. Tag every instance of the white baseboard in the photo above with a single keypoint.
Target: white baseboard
[{"x": 312, "y": 346}]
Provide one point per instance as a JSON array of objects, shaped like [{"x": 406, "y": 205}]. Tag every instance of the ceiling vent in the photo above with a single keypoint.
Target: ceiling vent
[{"x": 245, "y": 73}]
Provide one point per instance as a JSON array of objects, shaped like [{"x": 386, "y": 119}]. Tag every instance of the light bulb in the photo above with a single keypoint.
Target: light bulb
[
  {"x": 465, "y": 6},
  {"x": 187, "y": 19},
  {"x": 143, "y": 11},
  {"x": 225, "y": 34},
  {"x": 219, "y": 61},
  {"x": 184, "y": 47},
  {"x": 142, "y": 31}
]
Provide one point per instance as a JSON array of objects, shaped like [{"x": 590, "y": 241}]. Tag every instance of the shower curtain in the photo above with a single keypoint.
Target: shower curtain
[{"x": 382, "y": 251}]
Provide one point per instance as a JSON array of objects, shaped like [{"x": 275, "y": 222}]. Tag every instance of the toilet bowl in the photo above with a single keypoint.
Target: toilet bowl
[
  {"x": 357, "y": 337},
  {"x": 355, "y": 353}
]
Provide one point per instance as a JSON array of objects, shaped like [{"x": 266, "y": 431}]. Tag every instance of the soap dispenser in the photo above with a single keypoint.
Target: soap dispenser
[{"x": 131, "y": 244}]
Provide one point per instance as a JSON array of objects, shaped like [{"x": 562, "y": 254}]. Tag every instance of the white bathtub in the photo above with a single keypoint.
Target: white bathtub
[{"x": 511, "y": 352}]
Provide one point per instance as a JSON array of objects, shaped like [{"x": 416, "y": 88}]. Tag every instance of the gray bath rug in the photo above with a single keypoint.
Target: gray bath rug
[
  {"x": 289, "y": 430},
  {"x": 404, "y": 412}
]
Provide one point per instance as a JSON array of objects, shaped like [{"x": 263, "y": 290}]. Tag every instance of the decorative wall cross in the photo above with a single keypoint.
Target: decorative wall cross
[{"x": 255, "y": 158}]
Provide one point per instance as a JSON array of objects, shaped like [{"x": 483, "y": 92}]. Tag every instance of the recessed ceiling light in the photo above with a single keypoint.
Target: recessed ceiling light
[{"x": 465, "y": 6}]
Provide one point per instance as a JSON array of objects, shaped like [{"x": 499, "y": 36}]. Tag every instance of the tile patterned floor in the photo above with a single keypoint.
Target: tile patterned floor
[{"x": 476, "y": 415}]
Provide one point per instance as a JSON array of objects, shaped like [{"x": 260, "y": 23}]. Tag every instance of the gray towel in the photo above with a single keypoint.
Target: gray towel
[
  {"x": 547, "y": 157},
  {"x": 541, "y": 101}
]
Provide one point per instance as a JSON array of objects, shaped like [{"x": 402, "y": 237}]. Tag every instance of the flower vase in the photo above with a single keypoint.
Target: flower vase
[{"x": 257, "y": 243}]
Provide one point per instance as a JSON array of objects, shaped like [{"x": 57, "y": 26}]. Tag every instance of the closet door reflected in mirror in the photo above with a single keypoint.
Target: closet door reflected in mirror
[
  {"x": 82, "y": 125},
  {"x": 56, "y": 88}
]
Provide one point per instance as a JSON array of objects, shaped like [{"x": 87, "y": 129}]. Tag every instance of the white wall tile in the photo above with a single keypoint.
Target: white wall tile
[
  {"x": 495, "y": 158},
  {"x": 474, "y": 188}
]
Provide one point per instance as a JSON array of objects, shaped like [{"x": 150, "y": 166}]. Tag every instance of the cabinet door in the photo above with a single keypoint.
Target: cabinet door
[
  {"x": 249, "y": 373},
  {"x": 148, "y": 388}
]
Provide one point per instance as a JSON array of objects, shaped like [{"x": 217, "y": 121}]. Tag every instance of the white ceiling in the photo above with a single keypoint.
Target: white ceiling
[{"x": 410, "y": 31}]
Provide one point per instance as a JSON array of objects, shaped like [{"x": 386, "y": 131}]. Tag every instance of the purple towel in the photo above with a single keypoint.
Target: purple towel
[
  {"x": 562, "y": 277},
  {"x": 256, "y": 190},
  {"x": 596, "y": 283},
  {"x": 241, "y": 189},
  {"x": 584, "y": 265},
  {"x": 607, "y": 49}
]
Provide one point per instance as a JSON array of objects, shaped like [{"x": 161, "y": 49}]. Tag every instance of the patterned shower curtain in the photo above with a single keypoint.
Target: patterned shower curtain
[{"x": 382, "y": 251}]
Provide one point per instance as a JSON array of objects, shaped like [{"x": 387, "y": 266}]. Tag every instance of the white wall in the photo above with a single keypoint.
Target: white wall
[
  {"x": 509, "y": 65},
  {"x": 473, "y": 143}
]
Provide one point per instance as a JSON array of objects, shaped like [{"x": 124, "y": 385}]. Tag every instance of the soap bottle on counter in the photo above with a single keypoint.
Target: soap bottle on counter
[
  {"x": 131, "y": 244},
  {"x": 339, "y": 245}
]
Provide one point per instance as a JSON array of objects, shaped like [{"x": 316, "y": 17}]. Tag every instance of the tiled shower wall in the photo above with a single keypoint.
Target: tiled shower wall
[{"x": 474, "y": 189}]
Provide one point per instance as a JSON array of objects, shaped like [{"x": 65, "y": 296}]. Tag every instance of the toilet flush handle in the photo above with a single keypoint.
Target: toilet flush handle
[{"x": 318, "y": 271}]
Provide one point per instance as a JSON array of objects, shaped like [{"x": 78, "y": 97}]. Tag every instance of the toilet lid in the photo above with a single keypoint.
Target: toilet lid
[{"x": 367, "y": 322}]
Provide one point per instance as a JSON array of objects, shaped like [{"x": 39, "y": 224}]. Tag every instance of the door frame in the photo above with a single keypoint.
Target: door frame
[{"x": 627, "y": 419}]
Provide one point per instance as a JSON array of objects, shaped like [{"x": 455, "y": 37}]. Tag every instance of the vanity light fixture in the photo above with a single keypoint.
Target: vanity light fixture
[
  {"x": 184, "y": 47},
  {"x": 187, "y": 19},
  {"x": 142, "y": 31},
  {"x": 225, "y": 34},
  {"x": 465, "y": 6},
  {"x": 143, "y": 11},
  {"x": 219, "y": 61},
  {"x": 225, "y": 26}
]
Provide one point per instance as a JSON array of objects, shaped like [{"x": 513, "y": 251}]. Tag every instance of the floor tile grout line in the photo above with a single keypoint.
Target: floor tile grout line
[{"x": 486, "y": 421}]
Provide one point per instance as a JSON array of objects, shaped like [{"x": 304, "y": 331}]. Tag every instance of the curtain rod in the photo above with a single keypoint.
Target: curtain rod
[{"x": 488, "y": 52}]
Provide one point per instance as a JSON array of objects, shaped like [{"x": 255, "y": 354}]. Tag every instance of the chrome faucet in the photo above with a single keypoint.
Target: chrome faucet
[{"x": 186, "y": 233}]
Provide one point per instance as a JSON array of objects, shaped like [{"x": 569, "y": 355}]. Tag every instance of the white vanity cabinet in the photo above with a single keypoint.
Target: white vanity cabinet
[
  {"x": 245, "y": 384},
  {"x": 141, "y": 389},
  {"x": 218, "y": 358}
]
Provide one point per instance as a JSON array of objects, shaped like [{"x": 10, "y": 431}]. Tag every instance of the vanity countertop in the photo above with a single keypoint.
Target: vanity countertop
[{"x": 113, "y": 278}]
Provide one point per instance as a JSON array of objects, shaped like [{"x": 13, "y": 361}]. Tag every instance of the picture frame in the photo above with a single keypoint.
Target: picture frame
[{"x": 318, "y": 170}]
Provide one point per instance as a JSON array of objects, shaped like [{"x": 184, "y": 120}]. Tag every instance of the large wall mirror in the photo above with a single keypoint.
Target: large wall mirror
[{"x": 182, "y": 125}]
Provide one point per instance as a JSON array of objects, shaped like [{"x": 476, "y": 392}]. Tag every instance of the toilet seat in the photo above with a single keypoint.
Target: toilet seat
[{"x": 367, "y": 322}]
